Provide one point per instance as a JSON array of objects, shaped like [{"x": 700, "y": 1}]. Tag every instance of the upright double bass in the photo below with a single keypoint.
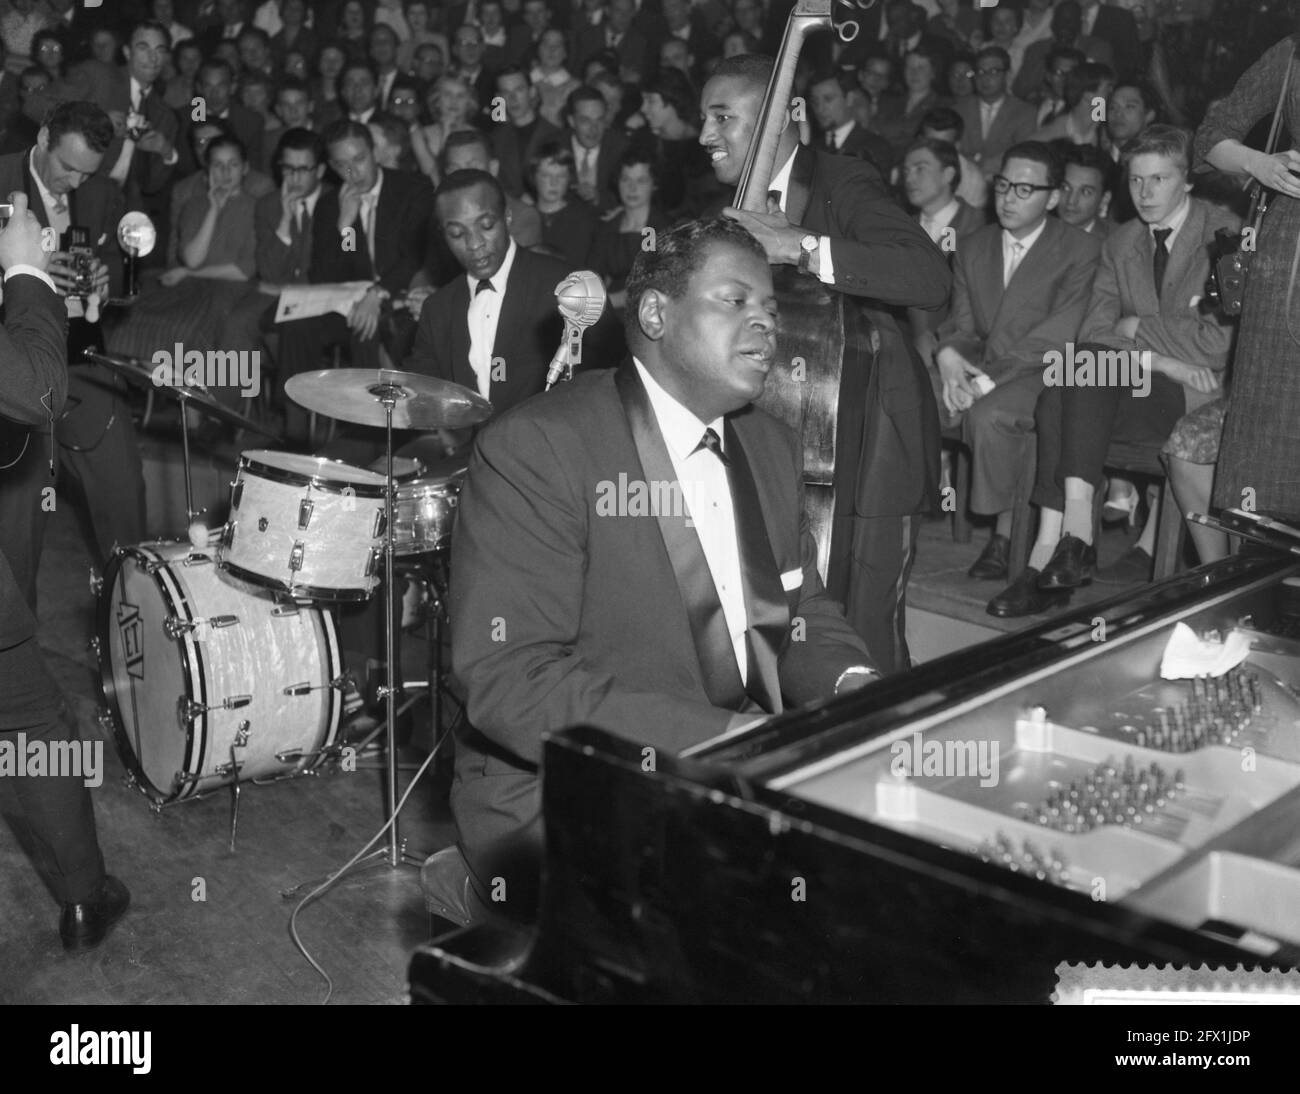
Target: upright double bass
[{"x": 804, "y": 386}]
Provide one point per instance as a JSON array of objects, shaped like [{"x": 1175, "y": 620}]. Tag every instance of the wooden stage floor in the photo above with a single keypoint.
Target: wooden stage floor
[{"x": 234, "y": 945}]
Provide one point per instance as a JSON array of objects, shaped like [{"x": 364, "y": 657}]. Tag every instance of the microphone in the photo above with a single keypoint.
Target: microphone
[{"x": 581, "y": 300}]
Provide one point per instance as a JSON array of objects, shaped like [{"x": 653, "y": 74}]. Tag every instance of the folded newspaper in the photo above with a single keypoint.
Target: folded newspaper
[
  {"x": 1187, "y": 655},
  {"x": 306, "y": 301}
]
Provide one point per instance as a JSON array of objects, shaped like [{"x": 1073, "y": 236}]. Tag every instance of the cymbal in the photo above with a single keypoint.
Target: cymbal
[
  {"x": 142, "y": 373},
  {"x": 358, "y": 394}
]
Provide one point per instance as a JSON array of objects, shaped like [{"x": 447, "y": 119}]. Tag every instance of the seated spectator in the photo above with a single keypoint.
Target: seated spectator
[
  {"x": 875, "y": 78},
  {"x": 452, "y": 108},
  {"x": 383, "y": 62},
  {"x": 297, "y": 65},
  {"x": 392, "y": 142},
  {"x": 838, "y": 130},
  {"x": 20, "y": 20},
  {"x": 551, "y": 77},
  {"x": 689, "y": 189},
  {"x": 20, "y": 133},
  {"x": 737, "y": 42},
  {"x": 1143, "y": 305},
  {"x": 359, "y": 91},
  {"x": 961, "y": 77},
  {"x": 1132, "y": 108},
  {"x": 524, "y": 130},
  {"x": 255, "y": 54},
  {"x": 417, "y": 18},
  {"x": 621, "y": 238},
  {"x": 1087, "y": 189},
  {"x": 47, "y": 53},
  {"x": 430, "y": 62},
  {"x": 255, "y": 95},
  {"x": 216, "y": 88},
  {"x": 1020, "y": 292},
  {"x": 622, "y": 106},
  {"x": 568, "y": 223},
  {"x": 597, "y": 147},
  {"x": 1049, "y": 97},
  {"x": 1086, "y": 90},
  {"x": 1067, "y": 33},
  {"x": 353, "y": 30},
  {"x": 945, "y": 124},
  {"x": 994, "y": 120},
  {"x": 1004, "y": 26},
  {"x": 164, "y": 12},
  {"x": 325, "y": 87},
  {"x": 105, "y": 45},
  {"x": 899, "y": 126},
  {"x": 216, "y": 246},
  {"x": 183, "y": 86},
  {"x": 956, "y": 21},
  {"x": 293, "y": 36}
]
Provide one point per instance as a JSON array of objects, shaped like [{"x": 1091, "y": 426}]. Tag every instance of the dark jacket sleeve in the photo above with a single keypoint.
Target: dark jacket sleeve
[
  {"x": 33, "y": 352},
  {"x": 429, "y": 355},
  {"x": 878, "y": 250}
]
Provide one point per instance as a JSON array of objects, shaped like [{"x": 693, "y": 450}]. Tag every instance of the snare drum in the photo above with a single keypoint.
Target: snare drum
[
  {"x": 310, "y": 527},
  {"x": 425, "y": 513},
  {"x": 208, "y": 684}
]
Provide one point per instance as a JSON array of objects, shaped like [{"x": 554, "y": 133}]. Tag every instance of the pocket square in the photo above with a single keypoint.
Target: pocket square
[{"x": 792, "y": 580}]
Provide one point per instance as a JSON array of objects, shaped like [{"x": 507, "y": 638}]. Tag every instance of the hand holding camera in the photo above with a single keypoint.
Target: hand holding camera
[{"x": 21, "y": 237}]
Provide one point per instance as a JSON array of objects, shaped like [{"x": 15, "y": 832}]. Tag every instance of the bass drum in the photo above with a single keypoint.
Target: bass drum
[{"x": 208, "y": 684}]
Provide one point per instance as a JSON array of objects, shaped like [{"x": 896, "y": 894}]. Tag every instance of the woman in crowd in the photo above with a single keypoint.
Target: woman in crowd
[
  {"x": 900, "y": 126},
  {"x": 1259, "y": 462},
  {"x": 620, "y": 237},
  {"x": 19, "y": 22},
  {"x": 353, "y": 31},
  {"x": 325, "y": 88},
  {"x": 180, "y": 90},
  {"x": 568, "y": 224},
  {"x": 212, "y": 263},
  {"x": 47, "y": 52},
  {"x": 417, "y": 18},
  {"x": 452, "y": 105},
  {"x": 551, "y": 77}
]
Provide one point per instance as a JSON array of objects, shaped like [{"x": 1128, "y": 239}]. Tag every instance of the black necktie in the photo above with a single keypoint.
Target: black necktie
[
  {"x": 1161, "y": 258},
  {"x": 483, "y": 286},
  {"x": 830, "y": 141},
  {"x": 713, "y": 443}
]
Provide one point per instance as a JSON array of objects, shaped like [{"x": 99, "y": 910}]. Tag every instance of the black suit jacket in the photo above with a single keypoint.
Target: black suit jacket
[
  {"x": 869, "y": 146},
  {"x": 33, "y": 387},
  {"x": 528, "y": 333},
  {"x": 401, "y": 233},
  {"x": 246, "y": 124},
  {"x": 94, "y": 392},
  {"x": 888, "y": 452},
  {"x": 581, "y": 586},
  {"x": 612, "y": 146},
  {"x": 512, "y": 154},
  {"x": 278, "y": 262}
]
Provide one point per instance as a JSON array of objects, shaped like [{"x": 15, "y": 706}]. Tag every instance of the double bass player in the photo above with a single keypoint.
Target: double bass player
[{"x": 833, "y": 218}]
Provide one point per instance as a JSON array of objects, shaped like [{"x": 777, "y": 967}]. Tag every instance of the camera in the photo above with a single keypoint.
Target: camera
[
  {"x": 1225, "y": 288},
  {"x": 82, "y": 255},
  {"x": 137, "y": 125}
]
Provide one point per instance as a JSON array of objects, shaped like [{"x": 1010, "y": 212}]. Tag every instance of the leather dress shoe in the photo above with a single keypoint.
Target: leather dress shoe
[
  {"x": 1024, "y": 597},
  {"x": 86, "y": 924},
  {"x": 992, "y": 563},
  {"x": 1133, "y": 567},
  {"x": 1073, "y": 564}
]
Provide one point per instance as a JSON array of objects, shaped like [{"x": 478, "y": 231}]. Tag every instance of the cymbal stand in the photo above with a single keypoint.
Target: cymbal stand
[{"x": 190, "y": 512}]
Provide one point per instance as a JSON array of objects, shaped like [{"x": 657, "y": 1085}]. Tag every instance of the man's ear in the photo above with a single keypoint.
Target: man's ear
[
  {"x": 650, "y": 314},
  {"x": 1053, "y": 200},
  {"x": 494, "y": 167}
]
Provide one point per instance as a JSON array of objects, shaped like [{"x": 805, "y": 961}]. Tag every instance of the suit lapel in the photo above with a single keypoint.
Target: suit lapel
[
  {"x": 766, "y": 607},
  {"x": 514, "y": 307},
  {"x": 989, "y": 289},
  {"x": 1186, "y": 242},
  {"x": 1038, "y": 258},
  {"x": 717, "y": 659}
]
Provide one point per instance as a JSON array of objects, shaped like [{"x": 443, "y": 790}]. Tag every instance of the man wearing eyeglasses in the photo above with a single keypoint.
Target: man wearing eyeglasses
[
  {"x": 1020, "y": 290},
  {"x": 995, "y": 120}
]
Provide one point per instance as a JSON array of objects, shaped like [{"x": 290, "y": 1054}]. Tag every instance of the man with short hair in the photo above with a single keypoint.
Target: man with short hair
[
  {"x": 840, "y": 132},
  {"x": 215, "y": 87},
  {"x": 994, "y": 120},
  {"x": 143, "y": 157},
  {"x": 467, "y": 50},
  {"x": 1020, "y": 292},
  {"x": 495, "y": 328},
  {"x": 596, "y": 148},
  {"x": 945, "y": 124},
  {"x": 1086, "y": 90},
  {"x": 1086, "y": 190},
  {"x": 1049, "y": 96},
  {"x": 359, "y": 90},
  {"x": 515, "y": 140},
  {"x": 851, "y": 235},
  {"x": 1067, "y": 33},
  {"x": 722, "y": 572},
  {"x": 383, "y": 58},
  {"x": 931, "y": 175},
  {"x": 1132, "y": 108},
  {"x": 374, "y": 228},
  {"x": 255, "y": 53},
  {"x": 285, "y": 218}
]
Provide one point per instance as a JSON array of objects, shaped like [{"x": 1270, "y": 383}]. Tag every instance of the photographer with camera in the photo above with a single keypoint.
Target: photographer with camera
[
  {"x": 96, "y": 443},
  {"x": 33, "y": 386}
]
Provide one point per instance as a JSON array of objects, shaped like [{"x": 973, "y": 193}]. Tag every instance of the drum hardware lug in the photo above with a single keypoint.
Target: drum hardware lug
[
  {"x": 198, "y": 558},
  {"x": 189, "y": 711},
  {"x": 228, "y": 533},
  {"x": 262, "y": 522},
  {"x": 372, "y": 565},
  {"x": 305, "y": 508},
  {"x": 175, "y": 628},
  {"x": 236, "y": 492},
  {"x": 288, "y": 608},
  {"x": 96, "y": 582},
  {"x": 241, "y": 734},
  {"x": 295, "y": 556},
  {"x": 299, "y": 689},
  {"x": 381, "y": 524},
  {"x": 95, "y": 647}
]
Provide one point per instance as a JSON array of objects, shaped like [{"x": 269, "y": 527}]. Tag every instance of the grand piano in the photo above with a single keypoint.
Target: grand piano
[{"x": 952, "y": 834}]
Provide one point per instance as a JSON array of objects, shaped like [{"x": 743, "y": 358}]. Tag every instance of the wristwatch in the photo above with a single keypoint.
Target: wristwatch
[{"x": 807, "y": 248}]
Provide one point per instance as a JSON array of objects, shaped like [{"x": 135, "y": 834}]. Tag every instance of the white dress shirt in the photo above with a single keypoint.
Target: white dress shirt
[
  {"x": 989, "y": 114},
  {"x": 1010, "y": 261},
  {"x": 1174, "y": 221},
  {"x": 56, "y": 208},
  {"x": 825, "y": 264},
  {"x": 484, "y": 316},
  {"x": 703, "y": 480},
  {"x": 935, "y": 225}
]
